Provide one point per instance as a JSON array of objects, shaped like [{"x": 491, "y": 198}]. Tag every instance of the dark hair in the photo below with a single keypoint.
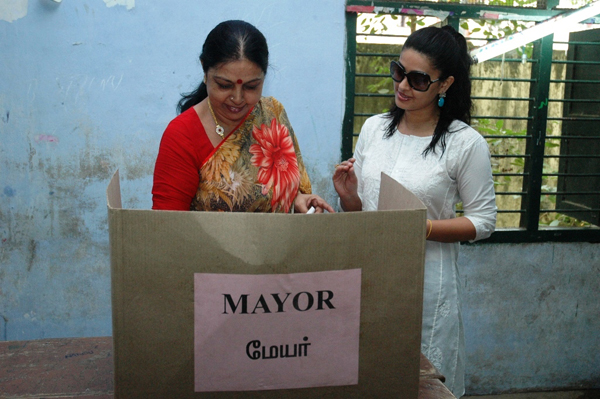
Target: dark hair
[
  {"x": 229, "y": 41},
  {"x": 447, "y": 51}
]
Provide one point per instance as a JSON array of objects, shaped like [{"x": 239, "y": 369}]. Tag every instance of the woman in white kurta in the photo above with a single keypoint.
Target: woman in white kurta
[{"x": 426, "y": 144}]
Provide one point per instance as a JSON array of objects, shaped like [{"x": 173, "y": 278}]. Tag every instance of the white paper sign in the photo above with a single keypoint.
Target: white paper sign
[{"x": 276, "y": 331}]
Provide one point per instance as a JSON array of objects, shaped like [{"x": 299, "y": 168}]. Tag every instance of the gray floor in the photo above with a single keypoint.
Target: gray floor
[{"x": 595, "y": 394}]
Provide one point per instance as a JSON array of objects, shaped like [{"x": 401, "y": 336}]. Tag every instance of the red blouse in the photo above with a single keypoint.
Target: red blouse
[{"x": 183, "y": 149}]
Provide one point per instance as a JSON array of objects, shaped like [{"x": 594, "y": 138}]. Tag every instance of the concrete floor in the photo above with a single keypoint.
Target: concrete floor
[{"x": 593, "y": 394}]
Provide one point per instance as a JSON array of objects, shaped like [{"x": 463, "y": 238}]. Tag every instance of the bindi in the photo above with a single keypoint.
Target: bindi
[{"x": 239, "y": 81}]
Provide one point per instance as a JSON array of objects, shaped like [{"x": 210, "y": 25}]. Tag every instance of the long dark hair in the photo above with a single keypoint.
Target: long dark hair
[
  {"x": 229, "y": 41},
  {"x": 447, "y": 51}
]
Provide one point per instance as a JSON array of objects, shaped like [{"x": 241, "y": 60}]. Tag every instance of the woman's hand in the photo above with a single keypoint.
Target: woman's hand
[
  {"x": 346, "y": 185},
  {"x": 304, "y": 201}
]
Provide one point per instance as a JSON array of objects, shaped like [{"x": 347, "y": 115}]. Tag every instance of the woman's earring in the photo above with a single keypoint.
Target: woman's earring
[{"x": 441, "y": 99}]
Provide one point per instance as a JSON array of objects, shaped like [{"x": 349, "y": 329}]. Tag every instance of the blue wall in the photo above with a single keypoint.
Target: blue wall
[
  {"x": 86, "y": 88},
  {"x": 532, "y": 316}
]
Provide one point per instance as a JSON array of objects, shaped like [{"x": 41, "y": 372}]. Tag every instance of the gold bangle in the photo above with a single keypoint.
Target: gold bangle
[{"x": 430, "y": 228}]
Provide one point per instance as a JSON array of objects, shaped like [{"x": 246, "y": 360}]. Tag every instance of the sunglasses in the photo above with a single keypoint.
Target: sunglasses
[{"x": 420, "y": 81}]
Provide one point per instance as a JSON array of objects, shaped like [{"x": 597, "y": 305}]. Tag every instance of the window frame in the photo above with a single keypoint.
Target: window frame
[{"x": 529, "y": 231}]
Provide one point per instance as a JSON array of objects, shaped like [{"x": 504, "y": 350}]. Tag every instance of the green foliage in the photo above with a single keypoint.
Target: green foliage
[
  {"x": 384, "y": 85},
  {"x": 415, "y": 21},
  {"x": 375, "y": 24},
  {"x": 507, "y": 145},
  {"x": 499, "y": 29},
  {"x": 559, "y": 220}
]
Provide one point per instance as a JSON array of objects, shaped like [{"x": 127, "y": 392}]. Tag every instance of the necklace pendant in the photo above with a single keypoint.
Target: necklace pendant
[{"x": 219, "y": 129}]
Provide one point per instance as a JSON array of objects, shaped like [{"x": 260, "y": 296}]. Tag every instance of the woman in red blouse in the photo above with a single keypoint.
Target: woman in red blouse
[{"x": 230, "y": 149}]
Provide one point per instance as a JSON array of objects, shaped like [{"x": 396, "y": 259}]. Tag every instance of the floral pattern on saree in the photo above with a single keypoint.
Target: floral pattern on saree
[
  {"x": 275, "y": 157},
  {"x": 257, "y": 168}
]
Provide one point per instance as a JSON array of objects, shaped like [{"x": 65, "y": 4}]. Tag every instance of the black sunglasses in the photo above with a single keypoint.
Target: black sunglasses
[{"x": 420, "y": 81}]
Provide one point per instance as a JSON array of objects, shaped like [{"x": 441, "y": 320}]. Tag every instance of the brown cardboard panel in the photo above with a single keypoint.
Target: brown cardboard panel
[
  {"x": 154, "y": 255},
  {"x": 394, "y": 196}
]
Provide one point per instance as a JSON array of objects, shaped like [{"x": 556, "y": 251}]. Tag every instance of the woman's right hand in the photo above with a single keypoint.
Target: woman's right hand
[{"x": 346, "y": 185}]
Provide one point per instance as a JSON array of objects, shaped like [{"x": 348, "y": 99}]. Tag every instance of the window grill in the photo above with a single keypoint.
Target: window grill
[{"x": 543, "y": 126}]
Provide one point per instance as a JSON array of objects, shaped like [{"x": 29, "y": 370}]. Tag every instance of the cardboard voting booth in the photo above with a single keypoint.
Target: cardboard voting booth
[{"x": 231, "y": 305}]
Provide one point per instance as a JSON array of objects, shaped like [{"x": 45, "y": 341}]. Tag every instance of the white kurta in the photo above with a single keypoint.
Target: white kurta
[{"x": 462, "y": 173}]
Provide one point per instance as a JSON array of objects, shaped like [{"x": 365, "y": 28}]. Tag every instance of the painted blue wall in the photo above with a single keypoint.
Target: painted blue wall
[
  {"x": 532, "y": 316},
  {"x": 86, "y": 88}
]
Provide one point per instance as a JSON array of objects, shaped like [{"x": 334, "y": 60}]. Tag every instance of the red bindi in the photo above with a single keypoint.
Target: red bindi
[{"x": 239, "y": 81}]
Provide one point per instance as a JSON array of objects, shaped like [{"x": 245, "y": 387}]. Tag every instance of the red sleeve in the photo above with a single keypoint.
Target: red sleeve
[{"x": 183, "y": 148}]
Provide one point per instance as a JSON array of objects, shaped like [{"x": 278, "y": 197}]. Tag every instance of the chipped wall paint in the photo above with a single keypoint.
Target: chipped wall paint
[
  {"x": 127, "y": 3},
  {"x": 11, "y": 10},
  {"x": 421, "y": 11},
  {"x": 509, "y": 16},
  {"x": 46, "y": 137},
  {"x": 531, "y": 316}
]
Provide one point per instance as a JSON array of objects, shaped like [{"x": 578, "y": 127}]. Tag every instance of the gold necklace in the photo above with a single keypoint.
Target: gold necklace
[{"x": 220, "y": 131}]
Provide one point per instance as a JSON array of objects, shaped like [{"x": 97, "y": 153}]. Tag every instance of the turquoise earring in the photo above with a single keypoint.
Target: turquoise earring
[{"x": 441, "y": 99}]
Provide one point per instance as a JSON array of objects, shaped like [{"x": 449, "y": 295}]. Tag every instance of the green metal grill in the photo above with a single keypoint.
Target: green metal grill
[{"x": 543, "y": 130}]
